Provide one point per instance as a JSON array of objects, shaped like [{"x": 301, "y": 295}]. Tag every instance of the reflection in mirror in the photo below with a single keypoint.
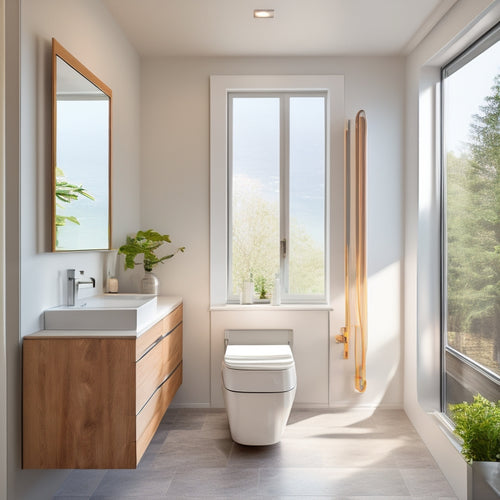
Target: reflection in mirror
[{"x": 81, "y": 153}]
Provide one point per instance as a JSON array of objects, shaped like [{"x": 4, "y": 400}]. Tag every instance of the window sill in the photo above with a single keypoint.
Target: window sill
[
  {"x": 269, "y": 307},
  {"x": 446, "y": 427}
]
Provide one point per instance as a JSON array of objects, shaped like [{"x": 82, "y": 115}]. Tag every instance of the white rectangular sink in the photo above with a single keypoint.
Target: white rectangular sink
[{"x": 104, "y": 312}]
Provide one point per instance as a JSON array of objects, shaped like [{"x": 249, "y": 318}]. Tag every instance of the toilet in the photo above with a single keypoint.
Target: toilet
[{"x": 259, "y": 383}]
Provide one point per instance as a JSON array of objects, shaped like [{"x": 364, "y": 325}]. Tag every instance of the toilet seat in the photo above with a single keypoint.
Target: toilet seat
[
  {"x": 259, "y": 369},
  {"x": 258, "y": 357}
]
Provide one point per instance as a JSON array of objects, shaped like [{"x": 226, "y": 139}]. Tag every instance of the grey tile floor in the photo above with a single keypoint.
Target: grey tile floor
[{"x": 340, "y": 455}]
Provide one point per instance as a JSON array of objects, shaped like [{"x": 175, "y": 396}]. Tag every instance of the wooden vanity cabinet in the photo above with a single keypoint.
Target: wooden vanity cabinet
[{"x": 96, "y": 402}]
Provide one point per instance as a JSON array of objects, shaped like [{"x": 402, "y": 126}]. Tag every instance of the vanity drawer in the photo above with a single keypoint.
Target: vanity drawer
[
  {"x": 172, "y": 320},
  {"x": 156, "y": 365},
  {"x": 150, "y": 416},
  {"x": 147, "y": 339}
]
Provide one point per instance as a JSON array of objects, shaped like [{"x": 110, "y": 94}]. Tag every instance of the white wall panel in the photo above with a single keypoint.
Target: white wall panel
[{"x": 310, "y": 348}]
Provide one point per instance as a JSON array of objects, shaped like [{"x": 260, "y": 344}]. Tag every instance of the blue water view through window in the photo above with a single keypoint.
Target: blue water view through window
[{"x": 277, "y": 158}]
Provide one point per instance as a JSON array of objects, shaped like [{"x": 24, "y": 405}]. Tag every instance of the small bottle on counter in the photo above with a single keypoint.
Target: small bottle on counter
[{"x": 112, "y": 285}]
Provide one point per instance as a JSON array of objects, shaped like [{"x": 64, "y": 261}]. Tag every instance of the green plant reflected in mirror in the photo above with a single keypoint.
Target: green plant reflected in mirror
[{"x": 81, "y": 156}]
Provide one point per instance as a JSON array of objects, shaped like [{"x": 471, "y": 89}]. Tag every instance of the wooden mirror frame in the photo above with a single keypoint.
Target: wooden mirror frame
[{"x": 58, "y": 51}]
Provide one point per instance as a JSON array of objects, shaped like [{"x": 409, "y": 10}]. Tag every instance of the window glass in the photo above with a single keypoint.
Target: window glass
[
  {"x": 255, "y": 196},
  {"x": 471, "y": 156},
  {"x": 307, "y": 196},
  {"x": 277, "y": 160}
]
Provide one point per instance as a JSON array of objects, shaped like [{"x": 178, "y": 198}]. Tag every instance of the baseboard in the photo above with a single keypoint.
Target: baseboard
[
  {"x": 190, "y": 405},
  {"x": 348, "y": 406},
  {"x": 307, "y": 406}
]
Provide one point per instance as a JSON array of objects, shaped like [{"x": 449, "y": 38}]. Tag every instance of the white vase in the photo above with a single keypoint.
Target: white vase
[
  {"x": 149, "y": 283},
  {"x": 247, "y": 292}
]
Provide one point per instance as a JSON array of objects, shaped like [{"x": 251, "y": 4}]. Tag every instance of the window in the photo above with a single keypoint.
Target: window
[
  {"x": 277, "y": 202},
  {"x": 276, "y": 157},
  {"x": 471, "y": 222}
]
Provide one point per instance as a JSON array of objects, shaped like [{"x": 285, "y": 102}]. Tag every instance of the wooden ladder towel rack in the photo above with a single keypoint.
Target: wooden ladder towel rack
[{"x": 355, "y": 250}]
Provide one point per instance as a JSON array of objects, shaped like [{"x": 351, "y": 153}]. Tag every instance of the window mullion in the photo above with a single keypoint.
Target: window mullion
[{"x": 284, "y": 190}]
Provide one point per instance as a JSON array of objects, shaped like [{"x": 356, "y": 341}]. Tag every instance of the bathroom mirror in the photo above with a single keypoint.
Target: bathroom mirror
[{"x": 81, "y": 156}]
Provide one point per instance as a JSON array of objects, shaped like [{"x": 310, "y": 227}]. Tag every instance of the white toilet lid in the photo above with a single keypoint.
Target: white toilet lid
[
  {"x": 259, "y": 368},
  {"x": 258, "y": 357}
]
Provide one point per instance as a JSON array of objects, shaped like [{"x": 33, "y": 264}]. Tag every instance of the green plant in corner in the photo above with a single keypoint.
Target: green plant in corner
[
  {"x": 478, "y": 425},
  {"x": 146, "y": 243}
]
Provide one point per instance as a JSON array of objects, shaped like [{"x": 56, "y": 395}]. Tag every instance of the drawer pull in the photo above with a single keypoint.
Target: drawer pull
[
  {"x": 159, "y": 387},
  {"x": 157, "y": 341},
  {"x": 151, "y": 347}
]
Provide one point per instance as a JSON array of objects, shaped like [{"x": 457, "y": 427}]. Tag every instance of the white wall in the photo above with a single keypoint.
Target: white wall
[
  {"x": 463, "y": 23},
  {"x": 100, "y": 46},
  {"x": 86, "y": 29},
  {"x": 175, "y": 199}
]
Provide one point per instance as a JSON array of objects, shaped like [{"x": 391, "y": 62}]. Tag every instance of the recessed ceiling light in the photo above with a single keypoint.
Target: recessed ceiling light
[{"x": 263, "y": 13}]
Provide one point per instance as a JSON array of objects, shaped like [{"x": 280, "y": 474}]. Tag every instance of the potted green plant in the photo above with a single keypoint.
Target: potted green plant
[
  {"x": 261, "y": 287},
  {"x": 146, "y": 243},
  {"x": 477, "y": 424}
]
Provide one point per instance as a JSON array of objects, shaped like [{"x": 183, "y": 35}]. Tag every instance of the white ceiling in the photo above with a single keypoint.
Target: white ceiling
[{"x": 300, "y": 27}]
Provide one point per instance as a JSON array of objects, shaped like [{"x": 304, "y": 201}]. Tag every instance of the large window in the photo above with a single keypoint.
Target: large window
[
  {"x": 276, "y": 186},
  {"x": 471, "y": 222},
  {"x": 277, "y": 202}
]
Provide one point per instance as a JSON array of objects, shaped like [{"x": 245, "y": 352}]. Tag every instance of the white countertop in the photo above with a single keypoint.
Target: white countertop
[{"x": 165, "y": 306}]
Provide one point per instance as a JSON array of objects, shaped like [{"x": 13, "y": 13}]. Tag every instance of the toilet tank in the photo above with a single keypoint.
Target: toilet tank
[{"x": 258, "y": 337}]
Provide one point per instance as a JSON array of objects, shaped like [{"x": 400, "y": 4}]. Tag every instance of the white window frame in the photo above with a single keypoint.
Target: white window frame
[
  {"x": 220, "y": 87},
  {"x": 284, "y": 213}
]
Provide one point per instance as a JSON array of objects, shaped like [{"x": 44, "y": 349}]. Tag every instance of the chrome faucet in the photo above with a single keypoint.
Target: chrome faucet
[{"x": 74, "y": 283}]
